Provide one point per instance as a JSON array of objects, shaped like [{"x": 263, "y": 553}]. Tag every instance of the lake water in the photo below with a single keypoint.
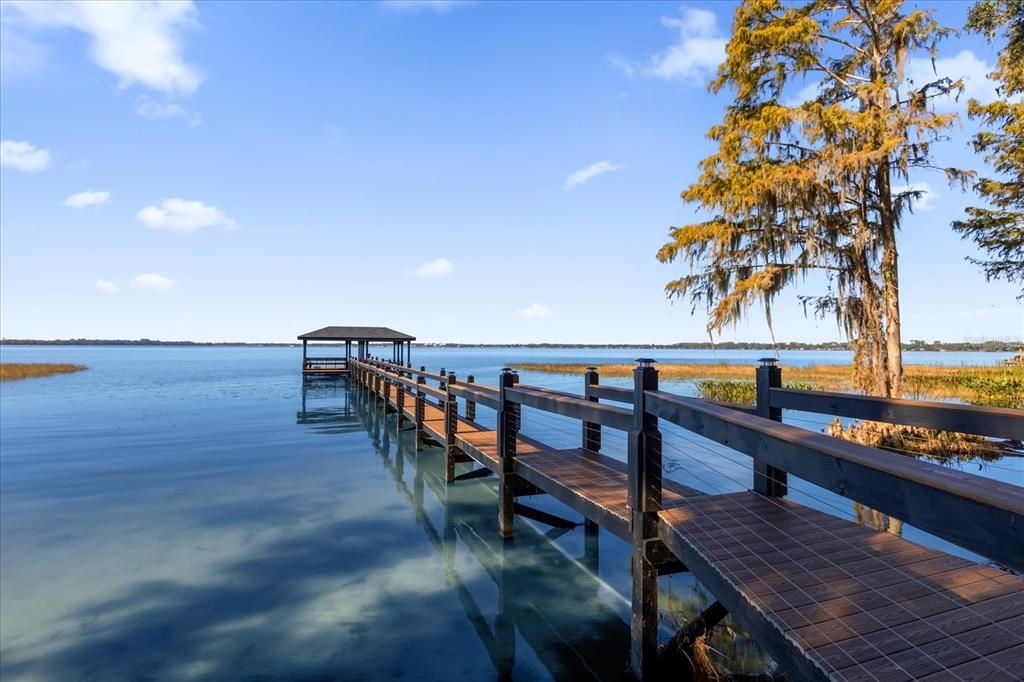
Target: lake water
[{"x": 201, "y": 513}]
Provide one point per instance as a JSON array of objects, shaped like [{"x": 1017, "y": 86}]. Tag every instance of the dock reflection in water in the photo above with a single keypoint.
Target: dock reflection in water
[
  {"x": 547, "y": 600},
  {"x": 552, "y": 615}
]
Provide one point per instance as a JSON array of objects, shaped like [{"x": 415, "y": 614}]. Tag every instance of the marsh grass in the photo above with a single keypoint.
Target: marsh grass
[
  {"x": 991, "y": 385},
  {"x": 10, "y": 371},
  {"x": 739, "y": 391}
]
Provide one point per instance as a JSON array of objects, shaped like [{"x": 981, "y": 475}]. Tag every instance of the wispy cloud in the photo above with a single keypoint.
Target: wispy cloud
[
  {"x": 154, "y": 111},
  {"x": 139, "y": 42},
  {"x": 535, "y": 310},
  {"x": 692, "y": 59},
  {"x": 436, "y": 6},
  {"x": 923, "y": 202},
  {"x": 435, "y": 268},
  {"x": 23, "y": 156},
  {"x": 152, "y": 281},
  {"x": 105, "y": 287},
  {"x": 183, "y": 215},
  {"x": 83, "y": 199},
  {"x": 964, "y": 65},
  {"x": 589, "y": 173}
]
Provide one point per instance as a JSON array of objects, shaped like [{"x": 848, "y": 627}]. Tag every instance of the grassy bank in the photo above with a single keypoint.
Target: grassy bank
[
  {"x": 9, "y": 371},
  {"x": 994, "y": 385}
]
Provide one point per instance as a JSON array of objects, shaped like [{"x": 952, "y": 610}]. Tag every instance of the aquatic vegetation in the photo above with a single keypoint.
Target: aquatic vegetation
[
  {"x": 942, "y": 447},
  {"x": 10, "y": 371},
  {"x": 740, "y": 391}
]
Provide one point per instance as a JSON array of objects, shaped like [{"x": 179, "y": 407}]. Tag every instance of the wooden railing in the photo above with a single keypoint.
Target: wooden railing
[
  {"x": 321, "y": 362},
  {"x": 980, "y": 514}
]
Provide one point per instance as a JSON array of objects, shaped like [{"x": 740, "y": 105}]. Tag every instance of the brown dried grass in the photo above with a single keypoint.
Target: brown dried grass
[{"x": 12, "y": 371}]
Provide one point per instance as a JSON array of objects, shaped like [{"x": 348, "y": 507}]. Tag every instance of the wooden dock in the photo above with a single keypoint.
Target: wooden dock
[{"x": 827, "y": 598}]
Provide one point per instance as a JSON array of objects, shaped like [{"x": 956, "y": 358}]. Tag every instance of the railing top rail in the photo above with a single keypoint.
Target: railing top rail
[
  {"x": 412, "y": 370},
  {"x": 616, "y": 393},
  {"x": 484, "y": 395},
  {"x": 569, "y": 405},
  {"x": 996, "y": 493},
  {"x": 999, "y": 422}
]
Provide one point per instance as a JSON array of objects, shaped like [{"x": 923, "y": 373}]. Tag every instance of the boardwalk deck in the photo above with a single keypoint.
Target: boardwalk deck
[
  {"x": 860, "y": 603},
  {"x": 828, "y": 598}
]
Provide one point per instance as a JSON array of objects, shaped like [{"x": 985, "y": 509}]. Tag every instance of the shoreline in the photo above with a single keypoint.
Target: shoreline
[{"x": 940, "y": 347}]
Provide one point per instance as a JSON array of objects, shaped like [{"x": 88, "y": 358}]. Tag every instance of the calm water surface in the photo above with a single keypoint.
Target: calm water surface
[{"x": 199, "y": 513}]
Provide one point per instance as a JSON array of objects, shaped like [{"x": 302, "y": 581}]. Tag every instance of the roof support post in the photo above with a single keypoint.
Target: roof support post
[{"x": 303, "y": 353}]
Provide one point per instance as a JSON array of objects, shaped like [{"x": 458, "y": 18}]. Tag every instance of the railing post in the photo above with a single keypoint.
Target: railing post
[
  {"x": 451, "y": 425},
  {"x": 399, "y": 405},
  {"x": 508, "y": 430},
  {"x": 767, "y": 479},
  {"x": 420, "y": 407},
  {"x": 470, "y": 404},
  {"x": 591, "y": 431},
  {"x": 644, "y": 503}
]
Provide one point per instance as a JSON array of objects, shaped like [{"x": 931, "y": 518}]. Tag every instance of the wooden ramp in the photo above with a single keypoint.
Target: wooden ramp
[{"x": 827, "y": 598}]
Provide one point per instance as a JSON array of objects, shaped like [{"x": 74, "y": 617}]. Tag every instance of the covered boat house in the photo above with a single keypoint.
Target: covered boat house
[{"x": 401, "y": 347}]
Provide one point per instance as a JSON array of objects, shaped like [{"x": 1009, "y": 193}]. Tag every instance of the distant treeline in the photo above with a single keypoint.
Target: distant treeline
[{"x": 913, "y": 344}]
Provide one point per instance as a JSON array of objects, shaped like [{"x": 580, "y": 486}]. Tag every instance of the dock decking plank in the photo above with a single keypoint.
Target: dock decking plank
[{"x": 801, "y": 569}]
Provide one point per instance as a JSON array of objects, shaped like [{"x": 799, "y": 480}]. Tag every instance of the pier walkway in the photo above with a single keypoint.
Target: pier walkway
[{"x": 827, "y": 598}]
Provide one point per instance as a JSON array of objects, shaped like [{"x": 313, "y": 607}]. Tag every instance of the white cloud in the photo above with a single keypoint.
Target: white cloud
[
  {"x": 436, "y": 6},
  {"x": 154, "y": 111},
  {"x": 182, "y": 215},
  {"x": 927, "y": 199},
  {"x": 691, "y": 60},
  {"x": 140, "y": 42},
  {"x": 23, "y": 156},
  {"x": 105, "y": 287},
  {"x": 82, "y": 199},
  {"x": 535, "y": 310},
  {"x": 152, "y": 281},
  {"x": 965, "y": 65},
  {"x": 435, "y": 268},
  {"x": 589, "y": 173}
]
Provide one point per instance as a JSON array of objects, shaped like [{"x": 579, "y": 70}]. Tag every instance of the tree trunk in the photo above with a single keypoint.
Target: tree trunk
[{"x": 890, "y": 282}]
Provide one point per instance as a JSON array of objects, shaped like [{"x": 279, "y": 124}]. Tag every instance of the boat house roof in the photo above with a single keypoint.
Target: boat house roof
[{"x": 355, "y": 334}]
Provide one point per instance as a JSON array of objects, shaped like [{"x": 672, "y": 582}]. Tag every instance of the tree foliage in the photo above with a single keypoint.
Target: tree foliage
[
  {"x": 796, "y": 188},
  {"x": 999, "y": 228}
]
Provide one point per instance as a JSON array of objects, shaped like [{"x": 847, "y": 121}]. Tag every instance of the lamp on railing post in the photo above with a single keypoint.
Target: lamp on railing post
[
  {"x": 644, "y": 462},
  {"x": 508, "y": 426},
  {"x": 767, "y": 479}
]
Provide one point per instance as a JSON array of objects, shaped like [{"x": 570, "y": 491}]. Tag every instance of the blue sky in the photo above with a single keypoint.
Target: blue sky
[{"x": 485, "y": 172}]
